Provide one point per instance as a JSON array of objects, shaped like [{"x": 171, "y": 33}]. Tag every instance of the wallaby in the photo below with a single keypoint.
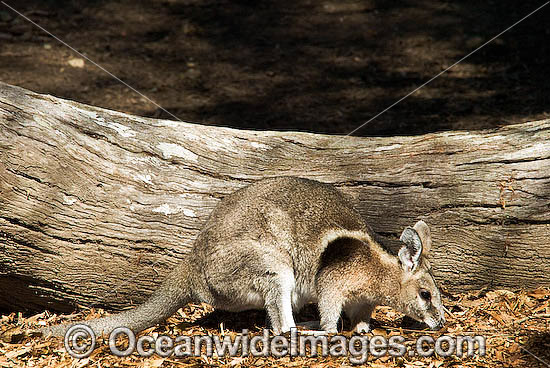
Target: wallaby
[{"x": 283, "y": 242}]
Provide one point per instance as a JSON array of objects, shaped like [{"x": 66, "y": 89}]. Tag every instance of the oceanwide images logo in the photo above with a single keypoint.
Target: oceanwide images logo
[{"x": 80, "y": 341}]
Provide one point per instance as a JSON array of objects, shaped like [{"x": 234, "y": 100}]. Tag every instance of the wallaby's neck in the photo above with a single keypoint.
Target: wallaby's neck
[
  {"x": 395, "y": 279},
  {"x": 388, "y": 287}
]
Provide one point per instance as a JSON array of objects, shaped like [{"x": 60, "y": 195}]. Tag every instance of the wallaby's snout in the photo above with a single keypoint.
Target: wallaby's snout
[
  {"x": 435, "y": 319},
  {"x": 435, "y": 314}
]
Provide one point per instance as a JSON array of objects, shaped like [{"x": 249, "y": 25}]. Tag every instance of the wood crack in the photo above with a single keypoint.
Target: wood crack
[
  {"x": 510, "y": 221},
  {"x": 503, "y": 161},
  {"x": 384, "y": 184},
  {"x": 476, "y": 205}
]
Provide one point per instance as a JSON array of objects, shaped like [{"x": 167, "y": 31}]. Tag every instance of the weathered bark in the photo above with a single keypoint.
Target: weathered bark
[{"x": 96, "y": 206}]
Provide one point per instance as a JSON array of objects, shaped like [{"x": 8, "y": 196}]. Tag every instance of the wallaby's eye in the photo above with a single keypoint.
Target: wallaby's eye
[{"x": 425, "y": 294}]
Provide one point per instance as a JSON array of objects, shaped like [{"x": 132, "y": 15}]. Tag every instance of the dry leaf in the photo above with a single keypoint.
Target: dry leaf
[
  {"x": 475, "y": 317},
  {"x": 540, "y": 293},
  {"x": 379, "y": 332},
  {"x": 157, "y": 362},
  {"x": 17, "y": 353},
  {"x": 236, "y": 361}
]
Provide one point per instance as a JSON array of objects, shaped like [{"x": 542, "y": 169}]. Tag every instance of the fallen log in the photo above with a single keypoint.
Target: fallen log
[{"x": 96, "y": 206}]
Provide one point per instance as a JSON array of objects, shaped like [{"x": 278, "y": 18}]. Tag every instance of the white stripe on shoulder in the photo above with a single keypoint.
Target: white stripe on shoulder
[{"x": 333, "y": 234}]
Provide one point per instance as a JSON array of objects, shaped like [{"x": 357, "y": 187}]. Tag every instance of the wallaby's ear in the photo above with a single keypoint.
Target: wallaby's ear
[
  {"x": 424, "y": 233},
  {"x": 410, "y": 252}
]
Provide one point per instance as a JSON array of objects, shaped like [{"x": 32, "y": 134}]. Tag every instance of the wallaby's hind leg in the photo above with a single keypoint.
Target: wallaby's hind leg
[
  {"x": 261, "y": 276},
  {"x": 278, "y": 302}
]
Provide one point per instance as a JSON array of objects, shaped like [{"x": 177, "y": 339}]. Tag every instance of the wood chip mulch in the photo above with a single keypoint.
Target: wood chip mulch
[{"x": 516, "y": 326}]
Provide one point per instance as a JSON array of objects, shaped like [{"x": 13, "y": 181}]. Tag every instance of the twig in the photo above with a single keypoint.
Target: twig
[
  {"x": 448, "y": 311},
  {"x": 541, "y": 315}
]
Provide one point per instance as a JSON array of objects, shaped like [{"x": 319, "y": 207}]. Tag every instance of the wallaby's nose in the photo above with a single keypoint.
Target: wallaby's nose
[{"x": 441, "y": 323}]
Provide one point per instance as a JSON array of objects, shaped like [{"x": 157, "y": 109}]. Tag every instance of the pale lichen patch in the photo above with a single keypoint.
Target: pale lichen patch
[
  {"x": 167, "y": 210},
  {"x": 189, "y": 213},
  {"x": 123, "y": 130},
  {"x": 387, "y": 148},
  {"x": 171, "y": 149},
  {"x": 69, "y": 201},
  {"x": 144, "y": 177},
  {"x": 259, "y": 145}
]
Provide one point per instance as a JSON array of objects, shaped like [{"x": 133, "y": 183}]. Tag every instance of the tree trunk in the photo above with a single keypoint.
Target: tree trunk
[{"x": 96, "y": 206}]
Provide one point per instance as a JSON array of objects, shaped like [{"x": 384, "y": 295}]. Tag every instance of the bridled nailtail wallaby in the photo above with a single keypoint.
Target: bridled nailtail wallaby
[{"x": 281, "y": 243}]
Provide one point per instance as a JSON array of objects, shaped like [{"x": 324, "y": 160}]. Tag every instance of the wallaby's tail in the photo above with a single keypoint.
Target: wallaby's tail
[{"x": 173, "y": 293}]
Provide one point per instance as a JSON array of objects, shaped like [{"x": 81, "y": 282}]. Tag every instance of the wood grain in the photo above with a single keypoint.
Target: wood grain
[{"x": 96, "y": 206}]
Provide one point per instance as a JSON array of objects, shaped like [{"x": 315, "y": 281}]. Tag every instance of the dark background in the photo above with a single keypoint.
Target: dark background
[{"x": 319, "y": 66}]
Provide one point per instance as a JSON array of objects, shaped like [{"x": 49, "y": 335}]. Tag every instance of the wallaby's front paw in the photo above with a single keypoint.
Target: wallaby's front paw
[{"x": 362, "y": 328}]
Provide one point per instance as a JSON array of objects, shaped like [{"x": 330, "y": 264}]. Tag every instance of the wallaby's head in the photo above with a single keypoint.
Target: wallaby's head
[{"x": 420, "y": 296}]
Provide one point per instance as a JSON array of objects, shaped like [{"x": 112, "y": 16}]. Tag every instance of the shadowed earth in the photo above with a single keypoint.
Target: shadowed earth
[{"x": 319, "y": 66}]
